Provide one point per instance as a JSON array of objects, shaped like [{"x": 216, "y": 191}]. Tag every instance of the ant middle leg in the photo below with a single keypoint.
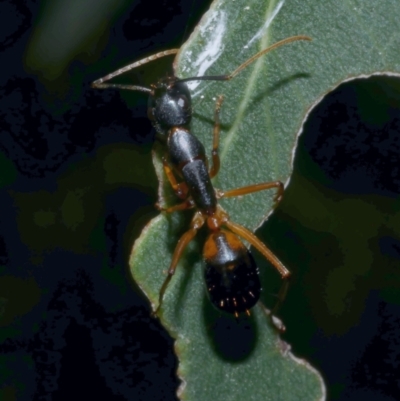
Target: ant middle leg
[
  {"x": 216, "y": 131},
  {"x": 196, "y": 223},
  {"x": 254, "y": 188}
]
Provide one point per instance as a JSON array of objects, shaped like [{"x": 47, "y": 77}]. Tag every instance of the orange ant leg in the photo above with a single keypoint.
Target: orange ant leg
[
  {"x": 269, "y": 255},
  {"x": 187, "y": 204},
  {"x": 195, "y": 225},
  {"x": 254, "y": 188},
  {"x": 260, "y": 246},
  {"x": 180, "y": 188},
  {"x": 217, "y": 129}
]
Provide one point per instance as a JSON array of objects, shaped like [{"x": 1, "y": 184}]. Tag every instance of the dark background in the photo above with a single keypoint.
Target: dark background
[{"x": 78, "y": 187}]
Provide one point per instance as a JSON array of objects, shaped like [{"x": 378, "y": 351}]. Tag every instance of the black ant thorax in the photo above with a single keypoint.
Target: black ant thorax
[
  {"x": 170, "y": 105},
  {"x": 170, "y": 112}
]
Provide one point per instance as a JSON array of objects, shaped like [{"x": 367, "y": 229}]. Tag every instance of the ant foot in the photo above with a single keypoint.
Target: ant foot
[{"x": 159, "y": 207}]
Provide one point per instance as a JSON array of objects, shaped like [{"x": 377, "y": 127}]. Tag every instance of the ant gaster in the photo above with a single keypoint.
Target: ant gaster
[{"x": 231, "y": 274}]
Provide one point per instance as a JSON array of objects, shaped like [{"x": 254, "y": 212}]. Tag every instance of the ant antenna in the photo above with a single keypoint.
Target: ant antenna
[
  {"x": 241, "y": 67},
  {"x": 99, "y": 83}
]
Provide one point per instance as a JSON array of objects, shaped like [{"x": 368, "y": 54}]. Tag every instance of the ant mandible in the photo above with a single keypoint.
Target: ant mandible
[{"x": 231, "y": 273}]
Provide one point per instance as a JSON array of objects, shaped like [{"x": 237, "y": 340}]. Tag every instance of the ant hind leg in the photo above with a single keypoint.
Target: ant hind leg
[
  {"x": 247, "y": 235},
  {"x": 280, "y": 297},
  {"x": 195, "y": 225}
]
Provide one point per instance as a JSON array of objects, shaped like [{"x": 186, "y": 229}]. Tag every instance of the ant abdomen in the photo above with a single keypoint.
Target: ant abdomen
[{"x": 231, "y": 274}]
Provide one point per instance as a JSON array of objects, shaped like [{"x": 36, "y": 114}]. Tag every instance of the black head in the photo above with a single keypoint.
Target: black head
[{"x": 170, "y": 105}]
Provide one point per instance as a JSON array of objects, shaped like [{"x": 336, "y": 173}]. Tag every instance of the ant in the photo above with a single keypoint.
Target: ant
[{"x": 231, "y": 274}]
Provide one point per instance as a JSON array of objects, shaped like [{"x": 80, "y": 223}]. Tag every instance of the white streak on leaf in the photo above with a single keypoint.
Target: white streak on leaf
[{"x": 266, "y": 25}]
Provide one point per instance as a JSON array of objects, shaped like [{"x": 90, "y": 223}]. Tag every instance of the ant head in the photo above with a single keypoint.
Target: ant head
[{"x": 170, "y": 104}]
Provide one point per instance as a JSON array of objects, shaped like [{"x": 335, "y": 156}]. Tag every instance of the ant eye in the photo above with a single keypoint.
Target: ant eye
[{"x": 182, "y": 102}]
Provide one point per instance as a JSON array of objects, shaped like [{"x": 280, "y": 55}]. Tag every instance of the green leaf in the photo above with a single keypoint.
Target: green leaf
[
  {"x": 262, "y": 366},
  {"x": 262, "y": 115}
]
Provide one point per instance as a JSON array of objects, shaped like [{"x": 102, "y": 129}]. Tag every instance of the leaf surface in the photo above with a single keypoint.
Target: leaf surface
[{"x": 262, "y": 115}]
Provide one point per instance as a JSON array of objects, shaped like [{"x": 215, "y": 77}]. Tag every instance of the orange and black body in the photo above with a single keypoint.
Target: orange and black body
[{"x": 231, "y": 275}]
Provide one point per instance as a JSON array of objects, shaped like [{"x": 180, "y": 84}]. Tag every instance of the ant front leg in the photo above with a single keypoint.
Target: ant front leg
[
  {"x": 255, "y": 188},
  {"x": 180, "y": 188},
  {"x": 195, "y": 225},
  {"x": 217, "y": 129}
]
